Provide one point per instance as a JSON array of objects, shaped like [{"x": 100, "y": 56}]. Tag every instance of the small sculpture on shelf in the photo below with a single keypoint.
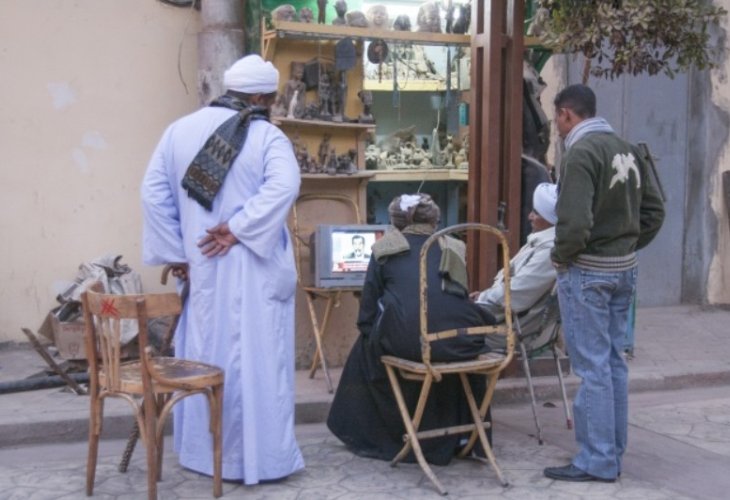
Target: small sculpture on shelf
[
  {"x": 346, "y": 162},
  {"x": 429, "y": 18},
  {"x": 366, "y": 98},
  {"x": 323, "y": 151},
  {"x": 321, "y": 11},
  {"x": 339, "y": 98},
  {"x": 291, "y": 101},
  {"x": 326, "y": 96},
  {"x": 462, "y": 22},
  {"x": 332, "y": 162},
  {"x": 306, "y": 15},
  {"x": 377, "y": 17},
  {"x": 285, "y": 12},
  {"x": 356, "y": 19},
  {"x": 402, "y": 23},
  {"x": 340, "y": 9}
]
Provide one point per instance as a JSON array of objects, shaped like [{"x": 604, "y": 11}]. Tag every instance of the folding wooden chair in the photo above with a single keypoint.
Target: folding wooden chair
[
  {"x": 538, "y": 337},
  {"x": 159, "y": 381},
  {"x": 302, "y": 253},
  {"x": 489, "y": 365}
]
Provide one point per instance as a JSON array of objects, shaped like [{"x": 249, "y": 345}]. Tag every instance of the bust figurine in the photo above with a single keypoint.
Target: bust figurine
[
  {"x": 429, "y": 18},
  {"x": 306, "y": 15},
  {"x": 340, "y": 9},
  {"x": 377, "y": 16},
  {"x": 402, "y": 23},
  {"x": 285, "y": 12},
  {"x": 357, "y": 19}
]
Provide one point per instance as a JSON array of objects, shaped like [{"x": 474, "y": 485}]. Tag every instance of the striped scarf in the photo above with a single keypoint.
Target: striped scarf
[
  {"x": 588, "y": 126},
  {"x": 206, "y": 173}
]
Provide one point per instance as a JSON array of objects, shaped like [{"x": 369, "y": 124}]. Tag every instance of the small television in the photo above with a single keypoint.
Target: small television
[{"x": 341, "y": 253}]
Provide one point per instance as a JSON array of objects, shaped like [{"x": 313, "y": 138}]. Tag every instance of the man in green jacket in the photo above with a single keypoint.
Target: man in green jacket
[{"x": 607, "y": 209}]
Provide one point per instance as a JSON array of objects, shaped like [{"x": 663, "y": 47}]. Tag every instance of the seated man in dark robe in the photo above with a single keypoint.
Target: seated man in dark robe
[{"x": 364, "y": 414}]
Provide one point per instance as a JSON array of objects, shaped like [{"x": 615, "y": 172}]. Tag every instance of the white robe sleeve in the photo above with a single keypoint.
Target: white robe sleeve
[
  {"x": 529, "y": 283},
  {"x": 162, "y": 241},
  {"x": 258, "y": 225}
]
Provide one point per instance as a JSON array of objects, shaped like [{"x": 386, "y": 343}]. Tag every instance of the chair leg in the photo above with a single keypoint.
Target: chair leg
[
  {"x": 95, "y": 419},
  {"x": 478, "y": 416},
  {"x": 150, "y": 418},
  {"x": 216, "y": 417},
  {"x": 566, "y": 406},
  {"x": 318, "y": 332},
  {"x": 160, "y": 434},
  {"x": 412, "y": 438},
  {"x": 531, "y": 389}
]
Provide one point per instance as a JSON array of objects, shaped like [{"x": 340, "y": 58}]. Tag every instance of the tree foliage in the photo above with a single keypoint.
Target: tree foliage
[{"x": 631, "y": 36}]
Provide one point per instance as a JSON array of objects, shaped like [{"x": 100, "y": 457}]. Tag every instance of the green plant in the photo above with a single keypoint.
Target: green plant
[{"x": 631, "y": 36}]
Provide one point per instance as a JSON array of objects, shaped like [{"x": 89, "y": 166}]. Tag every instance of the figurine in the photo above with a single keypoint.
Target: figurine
[
  {"x": 429, "y": 18},
  {"x": 377, "y": 16},
  {"x": 323, "y": 151},
  {"x": 306, "y": 15},
  {"x": 285, "y": 12},
  {"x": 325, "y": 96},
  {"x": 332, "y": 162},
  {"x": 321, "y": 11},
  {"x": 356, "y": 19},
  {"x": 461, "y": 25},
  {"x": 402, "y": 23},
  {"x": 293, "y": 96},
  {"x": 366, "y": 98},
  {"x": 340, "y": 9}
]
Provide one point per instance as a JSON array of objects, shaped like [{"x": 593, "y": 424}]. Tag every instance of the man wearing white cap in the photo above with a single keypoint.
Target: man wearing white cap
[
  {"x": 533, "y": 274},
  {"x": 216, "y": 196}
]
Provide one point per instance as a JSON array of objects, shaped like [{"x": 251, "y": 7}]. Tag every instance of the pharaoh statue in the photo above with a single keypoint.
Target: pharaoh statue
[{"x": 306, "y": 15}]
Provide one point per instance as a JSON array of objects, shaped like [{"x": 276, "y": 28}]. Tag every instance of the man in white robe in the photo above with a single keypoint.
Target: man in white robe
[{"x": 237, "y": 254}]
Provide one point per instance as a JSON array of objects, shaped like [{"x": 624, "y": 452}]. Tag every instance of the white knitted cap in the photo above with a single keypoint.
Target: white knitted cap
[
  {"x": 543, "y": 201},
  {"x": 252, "y": 75}
]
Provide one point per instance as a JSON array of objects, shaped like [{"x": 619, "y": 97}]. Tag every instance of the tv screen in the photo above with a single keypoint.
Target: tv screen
[{"x": 342, "y": 253}]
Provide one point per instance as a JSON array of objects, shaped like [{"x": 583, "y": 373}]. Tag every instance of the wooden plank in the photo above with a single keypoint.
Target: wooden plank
[{"x": 433, "y": 174}]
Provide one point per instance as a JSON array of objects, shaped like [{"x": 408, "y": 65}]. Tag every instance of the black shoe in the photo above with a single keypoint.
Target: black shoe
[{"x": 572, "y": 473}]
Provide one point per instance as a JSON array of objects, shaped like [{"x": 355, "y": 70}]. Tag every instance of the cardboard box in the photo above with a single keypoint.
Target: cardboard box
[{"x": 68, "y": 336}]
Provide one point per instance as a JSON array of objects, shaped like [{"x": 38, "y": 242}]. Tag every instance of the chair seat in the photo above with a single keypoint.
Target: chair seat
[
  {"x": 178, "y": 373},
  {"x": 484, "y": 362}
]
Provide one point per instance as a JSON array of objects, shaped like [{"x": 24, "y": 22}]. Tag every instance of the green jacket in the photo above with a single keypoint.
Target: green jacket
[{"x": 607, "y": 205}]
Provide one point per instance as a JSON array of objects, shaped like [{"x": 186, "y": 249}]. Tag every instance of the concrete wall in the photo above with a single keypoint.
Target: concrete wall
[
  {"x": 685, "y": 121},
  {"x": 87, "y": 89}
]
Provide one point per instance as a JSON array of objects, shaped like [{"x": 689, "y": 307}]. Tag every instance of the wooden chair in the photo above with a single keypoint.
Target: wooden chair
[
  {"x": 489, "y": 365},
  {"x": 330, "y": 295},
  {"x": 538, "y": 336},
  {"x": 159, "y": 381}
]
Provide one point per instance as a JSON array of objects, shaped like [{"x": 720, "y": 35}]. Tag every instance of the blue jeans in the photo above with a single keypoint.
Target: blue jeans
[{"x": 594, "y": 306}]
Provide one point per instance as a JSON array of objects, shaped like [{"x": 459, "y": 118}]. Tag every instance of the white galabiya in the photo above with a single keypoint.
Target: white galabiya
[{"x": 240, "y": 311}]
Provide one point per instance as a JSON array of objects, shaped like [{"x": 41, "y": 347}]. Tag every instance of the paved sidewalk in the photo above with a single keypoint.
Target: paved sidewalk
[
  {"x": 679, "y": 449},
  {"x": 676, "y": 347}
]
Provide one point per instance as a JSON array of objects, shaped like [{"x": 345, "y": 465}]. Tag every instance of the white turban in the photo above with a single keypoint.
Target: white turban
[
  {"x": 252, "y": 75},
  {"x": 543, "y": 201}
]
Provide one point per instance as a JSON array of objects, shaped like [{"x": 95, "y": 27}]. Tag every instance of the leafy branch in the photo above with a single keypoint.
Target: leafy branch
[{"x": 630, "y": 36}]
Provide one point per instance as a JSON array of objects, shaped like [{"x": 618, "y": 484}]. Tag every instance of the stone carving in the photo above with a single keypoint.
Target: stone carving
[
  {"x": 340, "y": 9},
  {"x": 429, "y": 18},
  {"x": 285, "y": 12},
  {"x": 377, "y": 17}
]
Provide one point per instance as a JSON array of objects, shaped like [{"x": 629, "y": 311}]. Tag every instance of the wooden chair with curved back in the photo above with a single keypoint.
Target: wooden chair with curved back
[
  {"x": 427, "y": 372},
  {"x": 159, "y": 381},
  {"x": 330, "y": 295}
]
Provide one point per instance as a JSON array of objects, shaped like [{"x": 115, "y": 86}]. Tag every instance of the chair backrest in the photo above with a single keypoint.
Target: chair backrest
[
  {"x": 302, "y": 234},
  {"x": 505, "y": 328},
  {"x": 103, "y": 314},
  {"x": 539, "y": 326}
]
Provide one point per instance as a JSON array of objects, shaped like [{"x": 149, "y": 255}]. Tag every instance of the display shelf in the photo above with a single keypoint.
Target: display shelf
[
  {"x": 311, "y": 31},
  {"x": 360, "y": 174},
  {"x": 295, "y": 122},
  {"x": 426, "y": 174}
]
